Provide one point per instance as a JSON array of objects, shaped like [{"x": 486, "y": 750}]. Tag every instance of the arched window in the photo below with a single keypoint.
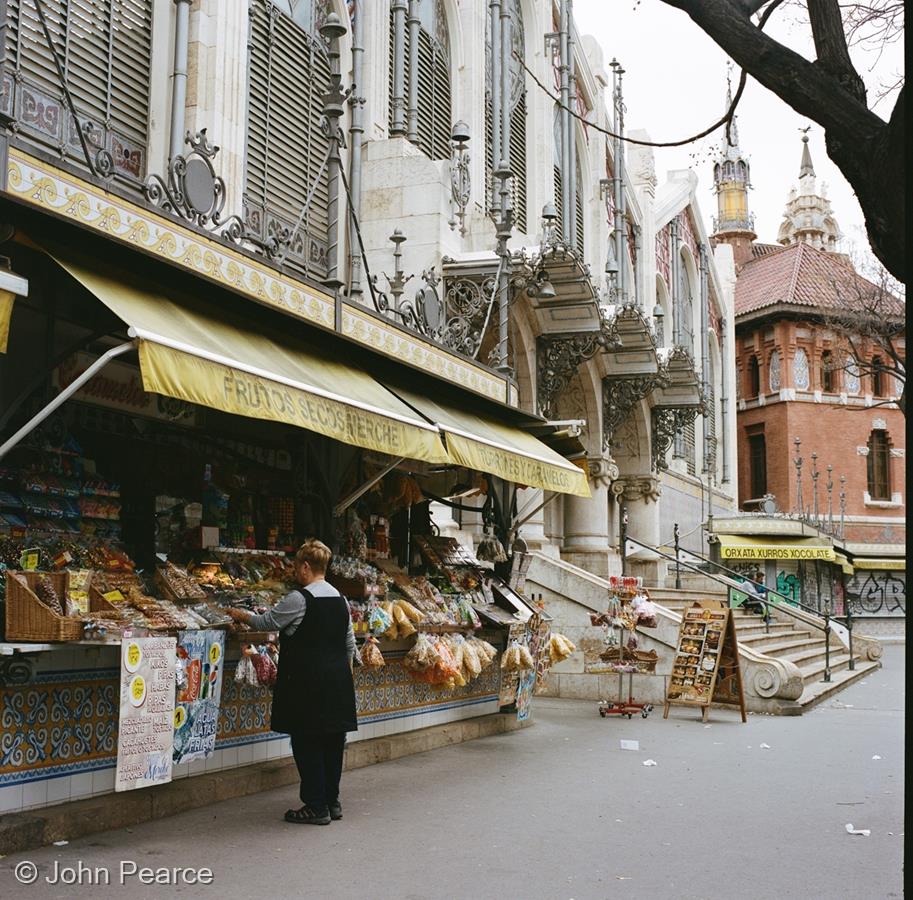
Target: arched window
[
  {"x": 434, "y": 100},
  {"x": 754, "y": 377},
  {"x": 801, "y": 379},
  {"x": 828, "y": 372},
  {"x": 774, "y": 371},
  {"x": 879, "y": 378},
  {"x": 105, "y": 49},
  {"x": 517, "y": 150},
  {"x": 286, "y": 146},
  {"x": 685, "y": 307},
  {"x": 851, "y": 376},
  {"x": 878, "y": 464}
]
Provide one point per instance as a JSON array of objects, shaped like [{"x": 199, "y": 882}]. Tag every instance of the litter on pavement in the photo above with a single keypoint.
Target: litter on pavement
[
  {"x": 863, "y": 831},
  {"x": 649, "y": 762},
  {"x": 876, "y": 756},
  {"x": 765, "y": 746},
  {"x": 630, "y": 745}
]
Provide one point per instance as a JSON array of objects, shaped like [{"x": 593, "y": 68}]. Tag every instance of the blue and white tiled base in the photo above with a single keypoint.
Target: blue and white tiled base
[{"x": 58, "y": 734}]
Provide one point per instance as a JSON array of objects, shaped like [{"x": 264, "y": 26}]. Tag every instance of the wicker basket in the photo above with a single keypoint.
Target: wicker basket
[
  {"x": 645, "y": 660},
  {"x": 28, "y": 619}
]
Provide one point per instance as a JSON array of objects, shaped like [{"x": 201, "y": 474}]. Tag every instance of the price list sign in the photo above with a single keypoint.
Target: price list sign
[{"x": 146, "y": 731}]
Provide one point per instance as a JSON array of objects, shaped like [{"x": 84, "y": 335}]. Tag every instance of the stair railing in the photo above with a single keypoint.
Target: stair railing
[{"x": 785, "y": 606}]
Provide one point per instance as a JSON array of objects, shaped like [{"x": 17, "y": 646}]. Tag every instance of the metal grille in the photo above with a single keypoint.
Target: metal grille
[
  {"x": 105, "y": 47},
  {"x": 286, "y": 141}
]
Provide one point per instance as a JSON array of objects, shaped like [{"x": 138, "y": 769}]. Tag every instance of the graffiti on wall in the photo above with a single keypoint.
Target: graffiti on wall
[
  {"x": 877, "y": 593},
  {"x": 788, "y": 585}
]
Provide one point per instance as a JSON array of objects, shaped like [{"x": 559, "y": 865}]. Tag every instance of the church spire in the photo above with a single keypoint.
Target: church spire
[
  {"x": 733, "y": 224},
  {"x": 808, "y": 217},
  {"x": 806, "y": 167}
]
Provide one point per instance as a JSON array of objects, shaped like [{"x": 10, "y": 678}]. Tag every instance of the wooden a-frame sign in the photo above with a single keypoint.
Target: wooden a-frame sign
[{"x": 706, "y": 666}]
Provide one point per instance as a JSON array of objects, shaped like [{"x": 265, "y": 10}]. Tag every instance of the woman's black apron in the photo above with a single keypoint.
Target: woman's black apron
[{"x": 315, "y": 692}]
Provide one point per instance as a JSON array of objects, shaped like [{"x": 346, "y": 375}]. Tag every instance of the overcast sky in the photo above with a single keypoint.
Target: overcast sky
[{"x": 675, "y": 84}]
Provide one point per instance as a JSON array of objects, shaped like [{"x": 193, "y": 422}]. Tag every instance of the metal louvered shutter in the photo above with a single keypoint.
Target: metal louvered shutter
[
  {"x": 433, "y": 98},
  {"x": 105, "y": 47},
  {"x": 286, "y": 146},
  {"x": 518, "y": 161},
  {"x": 689, "y": 451},
  {"x": 578, "y": 209}
]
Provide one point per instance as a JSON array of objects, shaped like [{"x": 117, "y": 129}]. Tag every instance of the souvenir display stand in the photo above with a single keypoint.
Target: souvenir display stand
[
  {"x": 629, "y": 607},
  {"x": 706, "y": 668}
]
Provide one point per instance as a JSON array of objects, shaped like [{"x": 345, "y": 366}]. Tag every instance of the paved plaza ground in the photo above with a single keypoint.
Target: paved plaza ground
[{"x": 559, "y": 812}]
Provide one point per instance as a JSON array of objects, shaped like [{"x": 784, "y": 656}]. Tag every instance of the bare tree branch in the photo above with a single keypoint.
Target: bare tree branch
[{"x": 867, "y": 150}]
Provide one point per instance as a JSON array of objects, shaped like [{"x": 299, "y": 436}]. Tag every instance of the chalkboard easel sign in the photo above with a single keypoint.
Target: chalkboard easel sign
[{"x": 706, "y": 666}]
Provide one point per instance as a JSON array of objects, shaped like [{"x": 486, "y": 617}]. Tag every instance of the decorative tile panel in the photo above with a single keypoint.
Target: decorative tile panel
[{"x": 66, "y": 722}]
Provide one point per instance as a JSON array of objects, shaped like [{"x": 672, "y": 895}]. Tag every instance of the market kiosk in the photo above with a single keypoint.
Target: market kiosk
[{"x": 180, "y": 460}]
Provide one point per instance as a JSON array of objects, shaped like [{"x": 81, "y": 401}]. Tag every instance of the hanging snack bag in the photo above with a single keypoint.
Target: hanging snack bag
[
  {"x": 471, "y": 662},
  {"x": 403, "y": 625},
  {"x": 379, "y": 620},
  {"x": 422, "y": 656},
  {"x": 510, "y": 662},
  {"x": 371, "y": 657},
  {"x": 526, "y": 658},
  {"x": 413, "y": 614},
  {"x": 559, "y": 648},
  {"x": 485, "y": 651}
]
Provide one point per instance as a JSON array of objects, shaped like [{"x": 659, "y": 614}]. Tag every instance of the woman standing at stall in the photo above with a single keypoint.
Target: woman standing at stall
[{"x": 314, "y": 696}]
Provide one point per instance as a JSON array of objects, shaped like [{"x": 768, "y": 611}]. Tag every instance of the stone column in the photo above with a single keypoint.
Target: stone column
[
  {"x": 586, "y": 521},
  {"x": 639, "y": 495},
  {"x": 217, "y": 88}
]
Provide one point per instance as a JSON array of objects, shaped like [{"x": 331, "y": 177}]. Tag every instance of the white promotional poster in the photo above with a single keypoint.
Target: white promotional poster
[{"x": 146, "y": 730}]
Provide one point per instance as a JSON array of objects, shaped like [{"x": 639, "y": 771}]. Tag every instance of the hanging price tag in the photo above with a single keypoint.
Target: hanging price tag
[
  {"x": 29, "y": 560},
  {"x": 113, "y": 596}
]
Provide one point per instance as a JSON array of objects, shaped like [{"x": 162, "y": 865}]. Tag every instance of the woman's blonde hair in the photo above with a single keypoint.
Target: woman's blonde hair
[{"x": 316, "y": 554}]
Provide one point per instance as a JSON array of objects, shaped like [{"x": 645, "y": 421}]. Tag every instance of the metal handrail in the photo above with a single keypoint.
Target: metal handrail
[{"x": 826, "y": 628}]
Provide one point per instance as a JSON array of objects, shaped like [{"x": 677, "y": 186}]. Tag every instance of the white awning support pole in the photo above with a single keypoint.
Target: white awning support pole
[
  {"x": 346, "y": 502},
  {"x": 521, "y": 522},
  {"x": 64, "y": 395}
]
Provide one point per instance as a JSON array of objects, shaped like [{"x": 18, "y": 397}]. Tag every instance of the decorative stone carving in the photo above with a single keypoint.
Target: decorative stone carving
[
  {"x": 558, "y": 359},
  {"x": 774, "y": 681},
  {"x": 637, "y": 487},
  {"x": 879, "y": 425},
  {"x": 898, "y": 452},
  {"x": 862, "y": 451},
  {"x": 602, "y": 470},
  {"x": 619, "y": 397}
]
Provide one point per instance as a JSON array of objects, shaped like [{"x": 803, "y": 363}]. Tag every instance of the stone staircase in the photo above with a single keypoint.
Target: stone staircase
[
  {"x": 782, "y": 667},
  {"x": 794, "y": 641}
]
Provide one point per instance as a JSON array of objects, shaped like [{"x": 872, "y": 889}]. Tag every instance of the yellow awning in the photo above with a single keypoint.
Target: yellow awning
[
  {"x": 741, "y": 547},
  {"x": 194, "y": 352},
  {"x": 844, "y": 564},
  {"x": 6, "y": 312},
  {"x": 486, "y": 445},
  {"x": 884, "y": 564}
]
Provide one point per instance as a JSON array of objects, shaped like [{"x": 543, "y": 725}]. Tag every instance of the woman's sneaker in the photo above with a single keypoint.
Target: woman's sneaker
[{"x": 336, "y": 811}]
